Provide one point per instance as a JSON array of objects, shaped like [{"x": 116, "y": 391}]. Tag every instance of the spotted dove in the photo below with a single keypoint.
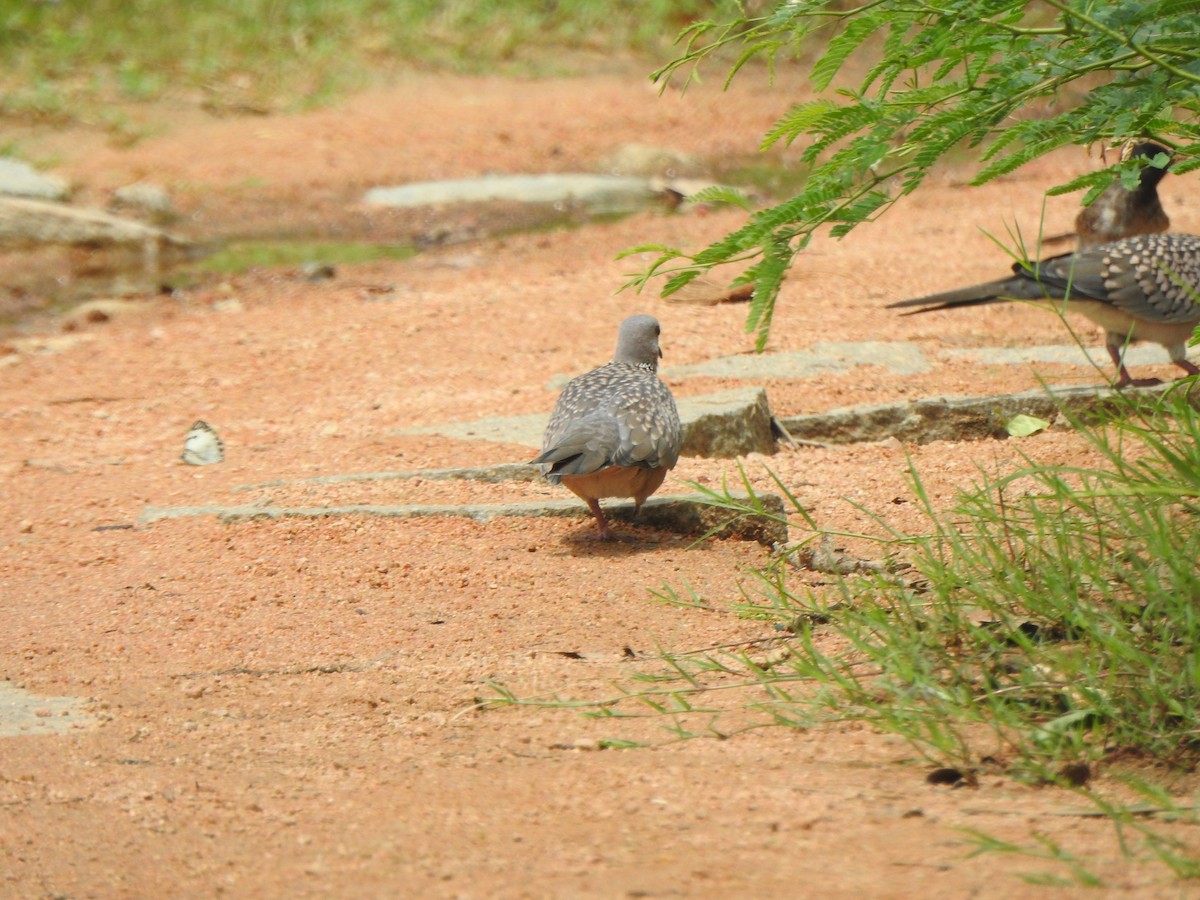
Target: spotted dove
[
  {"x": 1120, "y": 212},
  {"x": 615, "y": 430},
  {"x": 1142, "y": 288}
]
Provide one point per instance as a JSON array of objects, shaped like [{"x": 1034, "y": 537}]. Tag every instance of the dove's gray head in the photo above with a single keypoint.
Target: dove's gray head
[{"x": 637, "y": 342}]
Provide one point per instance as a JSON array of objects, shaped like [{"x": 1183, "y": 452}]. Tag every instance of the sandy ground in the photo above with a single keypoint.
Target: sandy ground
[{"x": 289, "y": 708}]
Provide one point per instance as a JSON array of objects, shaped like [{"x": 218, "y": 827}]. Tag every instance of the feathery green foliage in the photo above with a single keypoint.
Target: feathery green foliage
[{"x": 1014, "y": 79}]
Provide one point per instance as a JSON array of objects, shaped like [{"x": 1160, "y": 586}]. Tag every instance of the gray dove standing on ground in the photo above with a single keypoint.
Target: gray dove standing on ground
[
  {"x": 1142, "y": 288},
  {"x": 615, "y": 430}
]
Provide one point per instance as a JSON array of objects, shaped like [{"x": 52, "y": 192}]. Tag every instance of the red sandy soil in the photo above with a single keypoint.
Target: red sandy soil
[{"x": 288, "y": 708}]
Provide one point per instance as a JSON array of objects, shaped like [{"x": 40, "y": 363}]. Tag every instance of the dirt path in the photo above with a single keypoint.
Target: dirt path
[{"x": 287, "y": 707}]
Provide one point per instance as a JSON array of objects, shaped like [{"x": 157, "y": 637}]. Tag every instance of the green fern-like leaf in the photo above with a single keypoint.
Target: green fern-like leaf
[
  {"x": 799, "y": 119},
  {"x": 649, "y": 248},
  {"x": 768, "y": 274},
  {"x": 719, "y": 193},
  {"x": 1183, "y": 167},
  {"x": 1095, "y": 182},
  {"x": 840, "y": 123},
  {"x": 766, "y": 48},
  {"x": 842, "y": 47},
  {"x": 679, "y": 280},
  {"x": 1018, "y": 158},
  {"x": 859, "y": 210}
]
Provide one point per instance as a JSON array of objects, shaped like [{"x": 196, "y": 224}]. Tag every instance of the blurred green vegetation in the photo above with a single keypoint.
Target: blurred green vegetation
[
  {"x": 62, "y": 60},
  {"x": 242, "y": 255}
]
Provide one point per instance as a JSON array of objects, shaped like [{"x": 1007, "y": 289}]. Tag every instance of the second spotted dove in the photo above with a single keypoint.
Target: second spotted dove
[
  {"x": 1142, "y": 288},
  {"x": 1120, "y": 212}
]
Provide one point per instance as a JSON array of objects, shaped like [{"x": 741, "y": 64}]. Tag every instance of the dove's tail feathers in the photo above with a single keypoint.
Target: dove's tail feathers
[{"x": 992, "y": 292}]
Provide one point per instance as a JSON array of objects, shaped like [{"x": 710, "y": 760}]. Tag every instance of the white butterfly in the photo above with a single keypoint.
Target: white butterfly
[{"x": 202, "y": 447}]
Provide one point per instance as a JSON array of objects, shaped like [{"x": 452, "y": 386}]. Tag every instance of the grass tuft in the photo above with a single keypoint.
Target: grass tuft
[{"x": 1046, "y": 626}]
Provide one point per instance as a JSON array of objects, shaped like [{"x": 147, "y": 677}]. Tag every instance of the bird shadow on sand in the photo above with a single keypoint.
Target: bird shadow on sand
[{"x": 625, "y": 542}]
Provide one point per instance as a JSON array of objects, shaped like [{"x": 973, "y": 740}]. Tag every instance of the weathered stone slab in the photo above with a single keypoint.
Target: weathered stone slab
[
  {"x": 949, "y": 418},
  {"x": 26, "y": 222},
  {"x": 600, "y": 193},
  {"x": 725, "y": 424},
  {"x": 682, "y": 514},
  {"x": 500, "y": 474},
  {"x": 899, "y": 357},
  {"x": 1067, "y": 354},
  {"x": 19, "y": 179},
  {"x": 36, "y": 221},
  {"x": 526, "y": 430},
  {"x": 23, "y": 713},
  {"x": 145, "y": 197}
]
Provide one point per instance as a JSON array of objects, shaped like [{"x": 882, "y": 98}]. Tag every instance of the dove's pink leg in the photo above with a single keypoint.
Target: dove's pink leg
[{"x": 605, "y": 532}]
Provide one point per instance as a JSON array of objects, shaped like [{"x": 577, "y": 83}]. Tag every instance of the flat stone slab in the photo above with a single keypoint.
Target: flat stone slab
[
  {"x": 525, "y": 430},
  {"x": 41, "y": 222},
  {"x": 23, "y": 713},
  {"x": 145, "y": 196},
  {"x": 1068, "y": 354},
  {"x": 19, "y": 179},
  {"x": 736, "y": 422},
  {"x": 681, "y": 513},
  {"x": 600, "y": 193},
  {"x": 724, "y": 424},
  {"x": 491, "y": 474},
  {"x": 950, "y": 418},
  {"x": 900, "y": 357}
]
